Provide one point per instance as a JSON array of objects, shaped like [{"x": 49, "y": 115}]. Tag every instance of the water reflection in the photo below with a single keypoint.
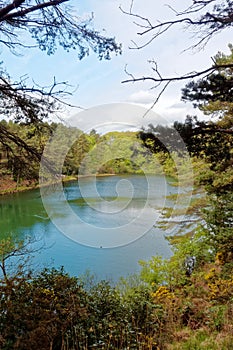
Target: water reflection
[{"x": 24, "y": 214}]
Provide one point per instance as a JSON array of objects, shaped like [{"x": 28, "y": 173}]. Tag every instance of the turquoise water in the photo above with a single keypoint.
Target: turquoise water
[{"x": 116, "y": 224}]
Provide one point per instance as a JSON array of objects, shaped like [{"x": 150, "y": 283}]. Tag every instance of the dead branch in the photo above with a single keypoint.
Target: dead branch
[
  {"x": 191, "y": 75},
  {"x": 207, "y": 25}
]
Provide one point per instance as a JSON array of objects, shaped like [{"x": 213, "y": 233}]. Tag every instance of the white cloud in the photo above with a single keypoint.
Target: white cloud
[
  {"x": 142, "y": 96},
  {"x": 115, "y": 116},
  {"x": 100, "y": 82}
]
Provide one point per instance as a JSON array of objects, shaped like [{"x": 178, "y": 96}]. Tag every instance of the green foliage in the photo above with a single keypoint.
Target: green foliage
[
  {"x": 188, "y": 255},
  {"x": 161, "y": 138},
  {"x": 112, "y": 153},
  {"x": 213, "y": 94},
  {"x": 195, "y": 285},
  {"x": 184, "y": 302},
  {"x": 210, "y": 146},
  {"x": 49, "y": 25},
  {"x": 202, "y": 340},
  {"x": 52, "y": 25},
  {"x": 18, "y": 161},
  {"x": 52, "y": 310},
  {"x": 220, "y": 223},
  {"x": 154, "y": 271},
  {"x": 116, "y": 153},
  {"x": 14, "y": 257},
  {"x": 40, "y": 311}
]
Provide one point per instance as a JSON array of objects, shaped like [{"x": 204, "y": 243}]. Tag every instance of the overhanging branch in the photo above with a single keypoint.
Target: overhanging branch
[{"x": 191, "y": 75}]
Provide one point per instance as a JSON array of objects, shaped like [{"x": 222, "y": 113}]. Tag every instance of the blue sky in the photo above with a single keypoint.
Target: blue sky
[{"x": 99, "y": 83}]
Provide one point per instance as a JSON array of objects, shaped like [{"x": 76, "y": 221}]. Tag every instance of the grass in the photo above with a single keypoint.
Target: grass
[{"x": 201, "y": 339}]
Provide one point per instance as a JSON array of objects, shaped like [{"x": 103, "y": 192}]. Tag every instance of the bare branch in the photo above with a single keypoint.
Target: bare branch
[
  {"x": 130, "y": 12},
  {"x": 131, "y": 75},
  {"x": 50, "y": 23},
  {"x": 15, "y": 4},
  {"x": 187, "y": 76},
  {"x": 9, "y": 16},
  {"x": 158, "y": 79},
  {"x": 157, "y": 98},
  {"x": 197, "y": 6},
  {"x": 172, "y": 8},
  {"x": 7, "y": 135},
  {"x": 208, "y": 24}
]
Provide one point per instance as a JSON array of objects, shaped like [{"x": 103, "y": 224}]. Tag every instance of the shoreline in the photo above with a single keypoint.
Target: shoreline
[{"x": 10, "y": 186}]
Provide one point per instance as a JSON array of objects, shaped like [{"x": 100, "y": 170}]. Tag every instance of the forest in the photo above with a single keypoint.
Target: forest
[
  {"x": 111, "y": 153},
  {"x": 184, "y": 302}
]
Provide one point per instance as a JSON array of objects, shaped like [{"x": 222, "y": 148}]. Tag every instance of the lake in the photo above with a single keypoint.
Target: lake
[{"x": 104, "y": 224}]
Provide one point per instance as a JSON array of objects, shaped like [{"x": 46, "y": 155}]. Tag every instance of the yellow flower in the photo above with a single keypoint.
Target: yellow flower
[
  {"x": 163, "y": 294},
  {"x": 219, "y": 259}
]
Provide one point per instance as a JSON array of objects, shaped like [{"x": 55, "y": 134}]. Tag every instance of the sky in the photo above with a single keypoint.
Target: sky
[{"x": 99, "y": 83}]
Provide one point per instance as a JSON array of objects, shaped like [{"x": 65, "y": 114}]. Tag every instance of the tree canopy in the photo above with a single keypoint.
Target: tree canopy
[
  {"x": 213, "y": 94},
  {"x": 44, "y": 25}
]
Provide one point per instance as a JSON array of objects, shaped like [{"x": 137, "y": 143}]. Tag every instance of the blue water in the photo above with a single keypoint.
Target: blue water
[{"x": 116, "y": 224}]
